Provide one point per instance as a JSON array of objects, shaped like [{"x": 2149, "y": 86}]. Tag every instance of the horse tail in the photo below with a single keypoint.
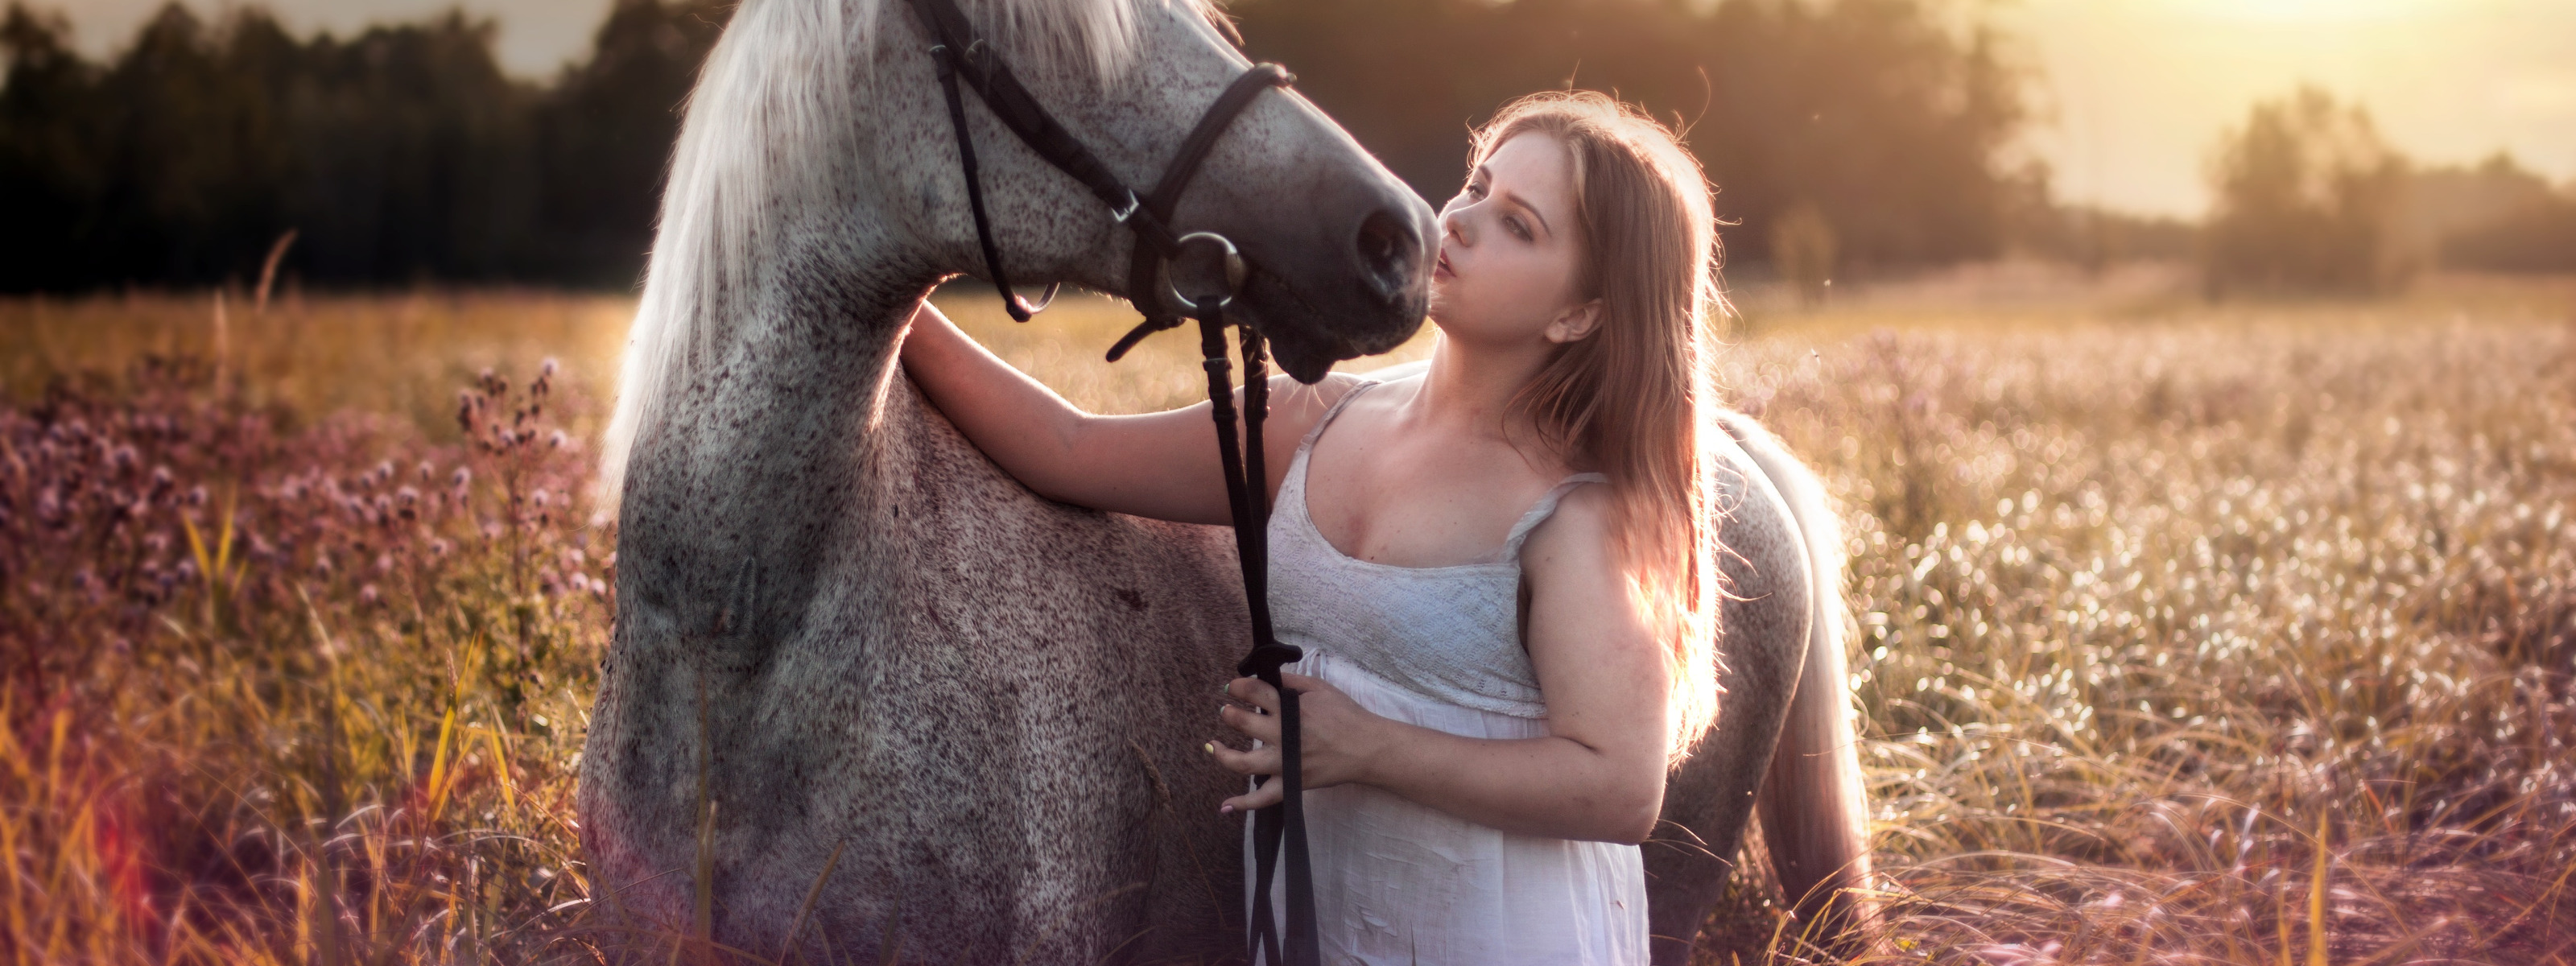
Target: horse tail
[{"x": 1813, "y": 804}]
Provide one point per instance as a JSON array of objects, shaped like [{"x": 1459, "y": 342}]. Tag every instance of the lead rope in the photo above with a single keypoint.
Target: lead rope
[{"x": 1246, "y": 480}]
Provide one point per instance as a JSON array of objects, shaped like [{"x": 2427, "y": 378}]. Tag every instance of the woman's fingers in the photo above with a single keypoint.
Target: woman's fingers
[
  {"x": 1262, "y": 727},
  {"x": 1265, "y": 796},
  {"x": 1332, "y": 721},
  {"x": 1258, "y": 693},
  {"x": 1255, "y": 692},
  {"x": 1259, "y": 761}
]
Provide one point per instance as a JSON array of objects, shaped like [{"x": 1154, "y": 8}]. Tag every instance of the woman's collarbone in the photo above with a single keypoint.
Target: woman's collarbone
[{"x": 1421, "y": 513}]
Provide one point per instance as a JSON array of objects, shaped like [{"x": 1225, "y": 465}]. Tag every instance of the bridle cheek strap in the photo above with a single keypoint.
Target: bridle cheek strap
[
  {"x": 1011, "y": 302},
  {"x": 1144, "y": 270},
  {"x": 964, "y": 58}
]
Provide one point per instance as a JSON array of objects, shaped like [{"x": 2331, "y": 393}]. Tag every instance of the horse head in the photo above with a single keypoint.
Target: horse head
[
  {"x": 816, "y": 175},
  {"x": 1338, "y": 248}
]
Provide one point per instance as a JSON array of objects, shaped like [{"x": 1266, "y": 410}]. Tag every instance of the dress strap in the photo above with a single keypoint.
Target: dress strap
[
  {"x": 1336, "y": 410},
  {"x": 1544, "y": 508}
]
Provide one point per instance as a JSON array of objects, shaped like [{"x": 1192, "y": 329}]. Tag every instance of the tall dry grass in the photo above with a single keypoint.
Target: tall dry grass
[
  {"x": 306, "y": 357},
  {"x": 2234, "y": 636},
  {"x": 2211, "y": 641},
  {"x": 289, "y": 696}
]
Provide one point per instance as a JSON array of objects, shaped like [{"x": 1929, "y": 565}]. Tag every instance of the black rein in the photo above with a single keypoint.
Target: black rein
[{"x": 964, "y": 57}]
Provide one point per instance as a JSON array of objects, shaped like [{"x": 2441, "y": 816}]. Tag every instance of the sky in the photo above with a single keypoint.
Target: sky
[
  {"x": 2133, "y": 94},
  {"x": 2137, "y": 92}
]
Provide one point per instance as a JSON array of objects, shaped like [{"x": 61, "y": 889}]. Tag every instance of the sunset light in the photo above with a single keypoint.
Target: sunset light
[
  {"x": 2309, "y": 11},
  {"x": 1690, "y": 482},
  {"x": 2136, "y": 91}
]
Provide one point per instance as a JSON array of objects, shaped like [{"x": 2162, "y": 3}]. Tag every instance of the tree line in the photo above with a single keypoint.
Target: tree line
[
  {"x": 1844, "y": 136},
  {"x": 405, "y": 153},
  {"x": 2309, "y": 197},
  {"x": 400, "y": 155}
]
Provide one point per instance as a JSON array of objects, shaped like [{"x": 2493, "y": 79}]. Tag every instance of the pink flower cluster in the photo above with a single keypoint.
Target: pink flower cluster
[{"x": 162, "y": 507}]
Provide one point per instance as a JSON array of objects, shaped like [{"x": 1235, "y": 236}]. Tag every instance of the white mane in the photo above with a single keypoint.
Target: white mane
[{"x": 774, "y": 94}]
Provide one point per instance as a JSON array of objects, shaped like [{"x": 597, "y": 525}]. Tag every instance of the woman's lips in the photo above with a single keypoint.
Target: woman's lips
[{"x": 1441, "y": 267}]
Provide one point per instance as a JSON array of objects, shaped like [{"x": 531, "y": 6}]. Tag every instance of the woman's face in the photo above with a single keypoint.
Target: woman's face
[{"x": 1511, "y": 249}]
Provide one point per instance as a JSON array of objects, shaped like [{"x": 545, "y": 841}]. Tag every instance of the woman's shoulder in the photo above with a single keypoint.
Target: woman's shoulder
[
  {"x": 1337, "y": 384},
  {"x": 1296, "y": 407},
  {"x": 1384, "y": 387},
  {"x": 1578, "y": 531}
]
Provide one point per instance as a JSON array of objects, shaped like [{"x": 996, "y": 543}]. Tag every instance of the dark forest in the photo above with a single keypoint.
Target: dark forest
[{"x": 405, "y": 154}]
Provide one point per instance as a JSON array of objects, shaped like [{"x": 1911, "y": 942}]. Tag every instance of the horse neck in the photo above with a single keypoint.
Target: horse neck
[
  {"x": 758, "y": 450},
  {"x": 743, "y": 487}
]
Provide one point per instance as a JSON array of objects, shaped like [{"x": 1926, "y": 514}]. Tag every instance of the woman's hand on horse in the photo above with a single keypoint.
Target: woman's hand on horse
[{"x": 1336, "y": 736}]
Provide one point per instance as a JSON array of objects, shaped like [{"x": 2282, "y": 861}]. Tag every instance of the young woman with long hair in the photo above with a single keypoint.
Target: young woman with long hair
[{"x": 1500, "y": 569}]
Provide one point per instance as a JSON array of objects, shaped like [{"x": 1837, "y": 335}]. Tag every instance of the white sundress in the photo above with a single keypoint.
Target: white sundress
[{"x": 1397, "y": 883}]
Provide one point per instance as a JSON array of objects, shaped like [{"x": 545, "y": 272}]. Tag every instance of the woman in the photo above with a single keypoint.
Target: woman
[{"x": 1499, "y": 568}]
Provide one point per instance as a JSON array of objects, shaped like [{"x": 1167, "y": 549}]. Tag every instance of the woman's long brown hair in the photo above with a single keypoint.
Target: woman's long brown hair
[{"x": 1632, "y": 400}]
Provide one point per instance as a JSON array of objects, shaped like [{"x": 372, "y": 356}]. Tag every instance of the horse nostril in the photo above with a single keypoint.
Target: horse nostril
[{"x": 1387, "y": 250}]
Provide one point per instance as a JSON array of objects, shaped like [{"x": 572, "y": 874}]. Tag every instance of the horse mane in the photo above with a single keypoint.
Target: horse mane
[{"x": 750, "y": 133}]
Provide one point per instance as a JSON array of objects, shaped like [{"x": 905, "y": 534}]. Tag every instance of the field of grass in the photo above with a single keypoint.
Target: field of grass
[{"x": 2187, "y": 634}]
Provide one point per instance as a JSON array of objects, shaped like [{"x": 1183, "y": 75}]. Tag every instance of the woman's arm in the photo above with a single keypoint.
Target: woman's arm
[
  {"x": 1161, "y": 465},
  {"x": 1599, "y": 773}
]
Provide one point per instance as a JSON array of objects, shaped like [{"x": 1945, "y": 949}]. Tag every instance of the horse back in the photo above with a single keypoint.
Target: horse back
[{"x": 1766, "y": 611}]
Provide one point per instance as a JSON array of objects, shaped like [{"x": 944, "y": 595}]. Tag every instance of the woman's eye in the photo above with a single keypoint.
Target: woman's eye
[
  {"x": 1519, "y": 230},
  {"x": 1475, "y": 190}
]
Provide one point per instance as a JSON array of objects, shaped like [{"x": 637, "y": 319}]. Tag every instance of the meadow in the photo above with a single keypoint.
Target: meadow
[{"x": 2186, "y": 634}]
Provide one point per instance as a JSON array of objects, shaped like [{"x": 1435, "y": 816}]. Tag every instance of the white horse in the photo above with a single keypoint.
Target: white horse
[{"x": 865, "y": 689}]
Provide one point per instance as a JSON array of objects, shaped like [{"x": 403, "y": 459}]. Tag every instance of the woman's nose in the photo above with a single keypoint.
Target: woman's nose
[{"x": 1453, "y": 224}]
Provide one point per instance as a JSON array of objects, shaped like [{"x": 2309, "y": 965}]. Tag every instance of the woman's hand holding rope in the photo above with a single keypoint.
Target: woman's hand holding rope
[{"x": 1338, "y": 738}]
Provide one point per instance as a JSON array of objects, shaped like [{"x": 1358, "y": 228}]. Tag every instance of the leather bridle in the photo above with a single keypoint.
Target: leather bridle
[{"x": 964, "y": 57}]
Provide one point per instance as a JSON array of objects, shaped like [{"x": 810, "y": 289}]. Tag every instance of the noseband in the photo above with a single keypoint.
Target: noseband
[{"x": 963, "y": 56}]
